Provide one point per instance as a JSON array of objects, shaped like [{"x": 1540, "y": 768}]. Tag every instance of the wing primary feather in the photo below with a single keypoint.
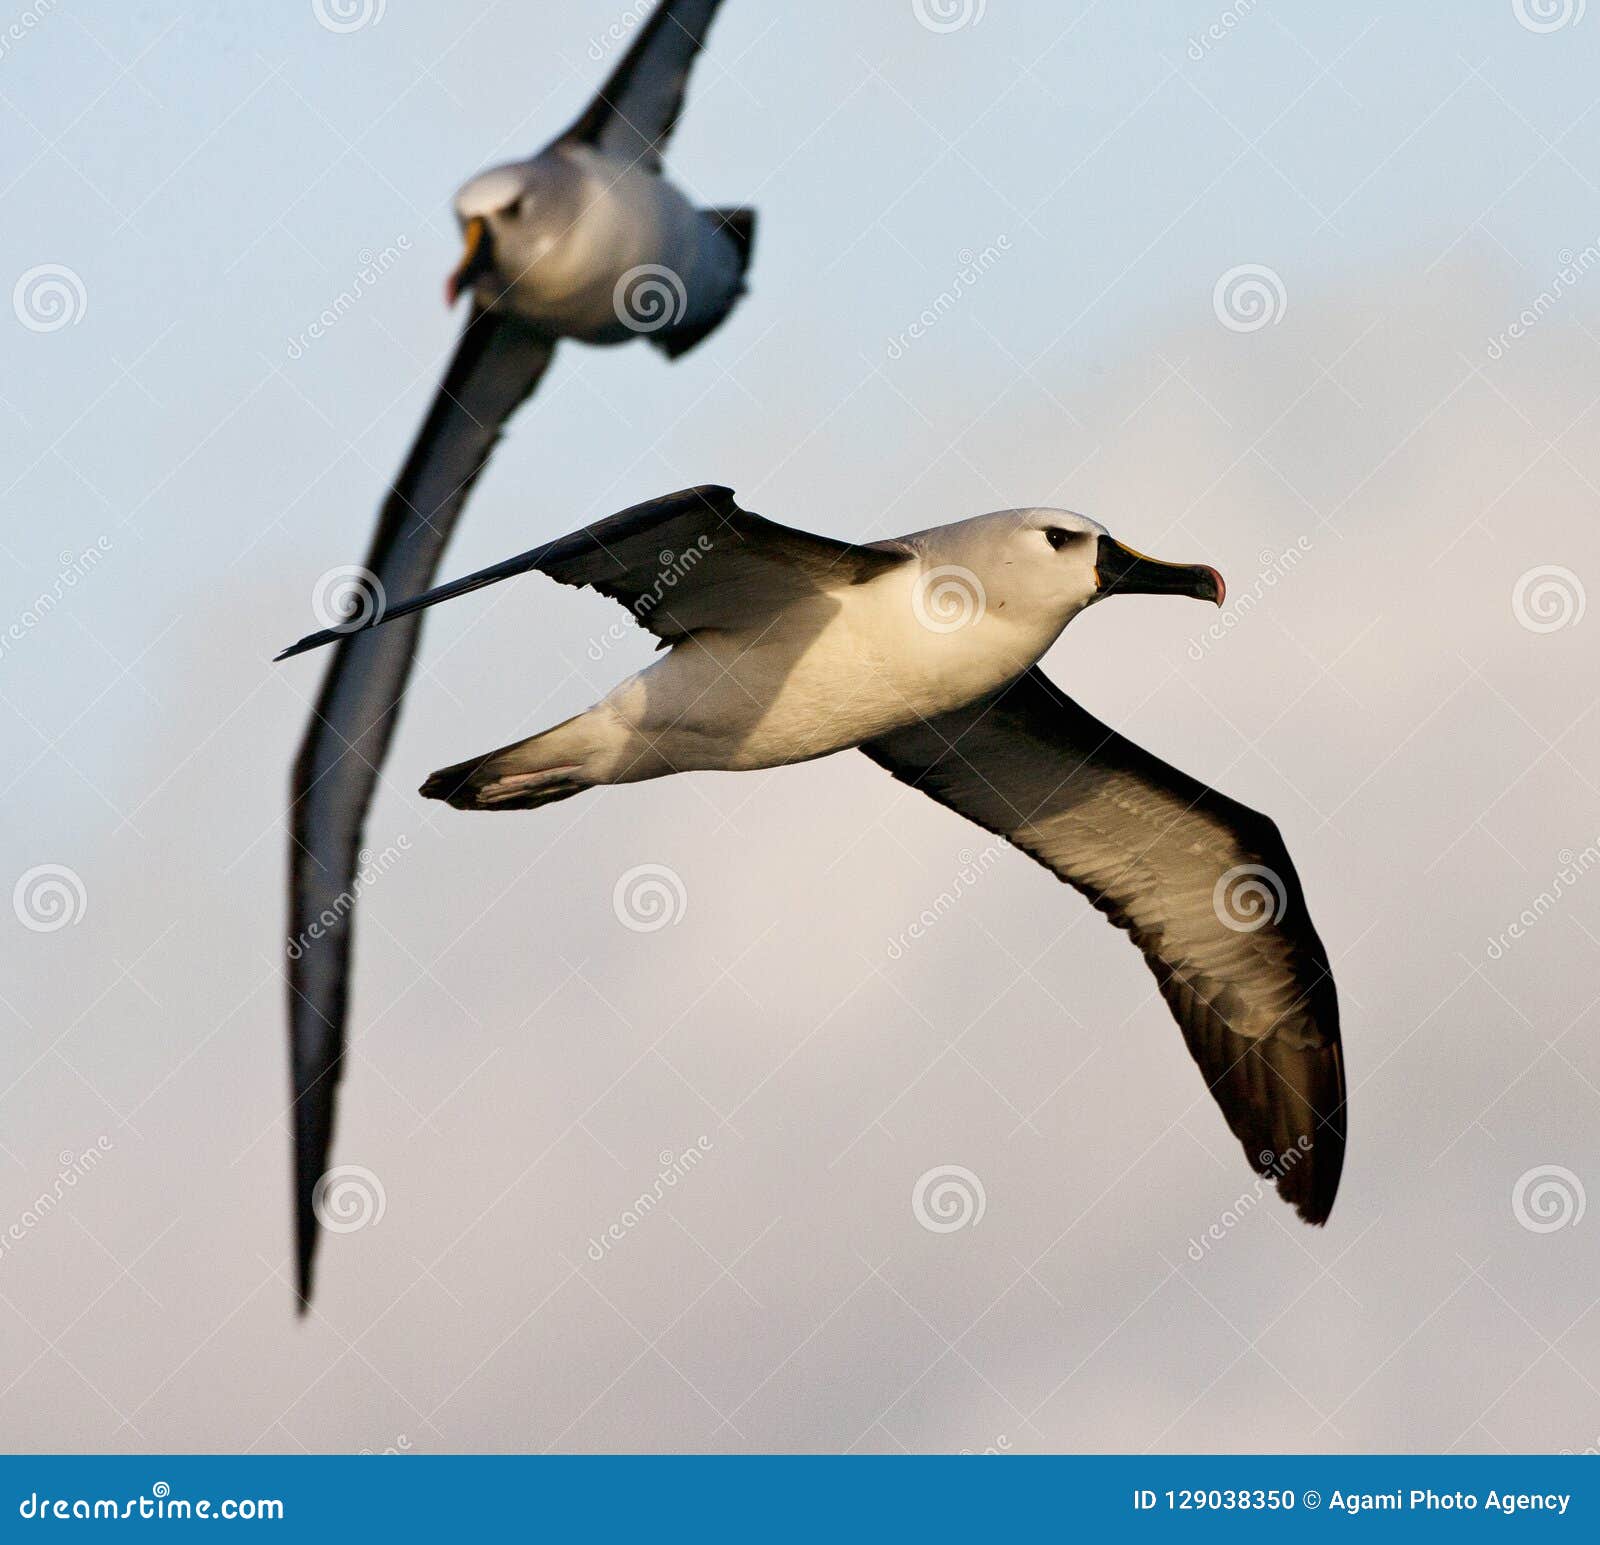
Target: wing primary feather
[
  {"x": 496, "y": 364},
  {"x": 1155, "y": 851}
]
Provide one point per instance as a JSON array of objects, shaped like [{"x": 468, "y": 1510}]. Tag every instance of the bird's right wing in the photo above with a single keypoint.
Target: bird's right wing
[
  {"x": 1203, "y": 884},
  {"x": 688, "y": 560},
  {"x": 496, "y": 365},
  {"x": 634, "y": 113}
]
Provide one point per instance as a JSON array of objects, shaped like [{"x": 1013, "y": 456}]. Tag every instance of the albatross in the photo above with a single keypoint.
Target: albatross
[
  {"x": 922, "y": 652},
  {"x": 585, "y": 240}
]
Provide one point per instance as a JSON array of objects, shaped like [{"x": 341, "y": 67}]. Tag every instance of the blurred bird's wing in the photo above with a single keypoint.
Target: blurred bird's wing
[
  {"x": 497, "y": 363},
  {"x": 688, "y": 560},
  {"x": 1203, "y": 884},
  {"x": 633, "y": 115}
]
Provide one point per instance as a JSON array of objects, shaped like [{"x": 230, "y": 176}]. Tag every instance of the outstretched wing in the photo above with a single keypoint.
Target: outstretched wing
[
  {"x": 634, "y": 113},
  {"x": 497, "y": 364},
  {"x": 1203, "y": 884},
  {"x": 688, "y": 560}
]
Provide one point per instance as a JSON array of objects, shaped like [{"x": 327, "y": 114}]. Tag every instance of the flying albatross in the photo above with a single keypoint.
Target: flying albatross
[
  {"x": 923, "y": 652},
  {"x": 586, "y": 240}
]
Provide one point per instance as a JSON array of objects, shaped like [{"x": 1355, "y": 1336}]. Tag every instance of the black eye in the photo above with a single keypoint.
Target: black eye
[{"x": 1055, "y": 536}]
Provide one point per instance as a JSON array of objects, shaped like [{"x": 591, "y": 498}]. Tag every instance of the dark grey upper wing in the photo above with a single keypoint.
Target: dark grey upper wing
[
  {"x": 635, "y": 112},
  {"x": 496, "y": 365},
  {"x": 691, "y": 559},
  {"x": 1203, "y": 884}
]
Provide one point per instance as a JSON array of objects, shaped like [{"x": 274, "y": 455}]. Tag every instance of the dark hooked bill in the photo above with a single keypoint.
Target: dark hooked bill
[{"x": 1122, "y": 571}]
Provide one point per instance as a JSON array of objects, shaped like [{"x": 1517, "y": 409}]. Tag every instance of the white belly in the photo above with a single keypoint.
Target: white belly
[{"x": 830, "y": 673}]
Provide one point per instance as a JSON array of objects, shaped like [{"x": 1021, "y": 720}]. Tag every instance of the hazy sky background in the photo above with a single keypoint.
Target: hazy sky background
[{"x": 1413, "y": 177}]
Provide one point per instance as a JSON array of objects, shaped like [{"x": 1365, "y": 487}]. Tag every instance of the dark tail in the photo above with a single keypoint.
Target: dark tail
[{"x": 739, "y": 226}]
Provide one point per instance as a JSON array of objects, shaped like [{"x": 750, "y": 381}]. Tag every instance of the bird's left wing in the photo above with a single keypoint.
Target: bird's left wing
[
  {"x": 1203, "y": 884},
  {"x": 634, "y": 113},
  {"x": 496, "y": 365},
  {"x": 688, "y": 560}
]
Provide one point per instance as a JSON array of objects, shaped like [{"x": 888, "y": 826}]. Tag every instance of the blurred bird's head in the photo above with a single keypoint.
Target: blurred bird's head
[{"x": 496, "y": 211}]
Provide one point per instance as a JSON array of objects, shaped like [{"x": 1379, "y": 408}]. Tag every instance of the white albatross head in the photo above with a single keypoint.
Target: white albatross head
[
  {"x": 1048, "y": 564},
  {"x": 500, "y": 212}
]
